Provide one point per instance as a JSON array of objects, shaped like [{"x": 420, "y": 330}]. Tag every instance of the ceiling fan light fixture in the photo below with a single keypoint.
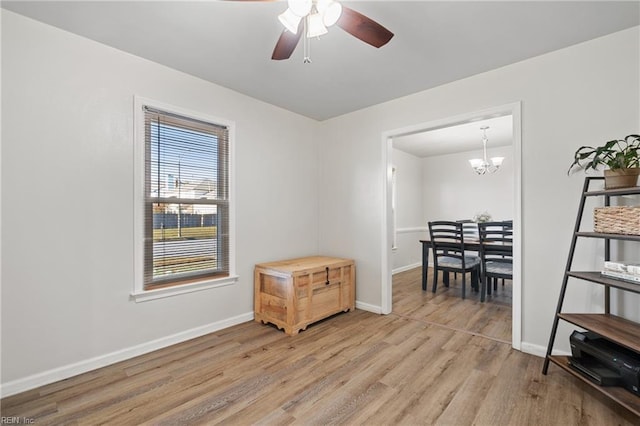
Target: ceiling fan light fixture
[
  {"x": 290, "y": 20},
  {"x": 330, "y": 10},
  {"x": 315, "y": 26},
  {"x": 300, "y": 8},
  {"x": 314, "y": 16}
]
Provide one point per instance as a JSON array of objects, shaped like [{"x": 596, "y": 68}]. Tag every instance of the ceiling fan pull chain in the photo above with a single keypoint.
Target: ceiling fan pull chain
[{"x": 306, "y": 44}]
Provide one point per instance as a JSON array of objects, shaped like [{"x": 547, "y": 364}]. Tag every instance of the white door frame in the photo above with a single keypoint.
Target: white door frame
[{"x": 513, "y": 109}]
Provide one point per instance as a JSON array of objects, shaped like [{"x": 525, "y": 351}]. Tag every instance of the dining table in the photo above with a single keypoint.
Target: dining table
[{"x": 471, "y": 245}]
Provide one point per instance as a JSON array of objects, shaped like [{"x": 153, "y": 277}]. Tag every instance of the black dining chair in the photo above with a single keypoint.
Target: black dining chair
[
  {"x": 447, "y": 242},
  {"x": 470, "y": 231},
  {"x": 496, "y": 253}
]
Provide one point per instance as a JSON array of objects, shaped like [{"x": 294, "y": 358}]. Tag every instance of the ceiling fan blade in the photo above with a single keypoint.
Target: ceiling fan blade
[
  {"x": 366, "y": 29},
  {"x": 286, "y": 44}
]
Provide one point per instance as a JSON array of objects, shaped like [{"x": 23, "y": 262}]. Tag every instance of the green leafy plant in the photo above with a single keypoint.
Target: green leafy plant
[{"x": 616, "y": 154}]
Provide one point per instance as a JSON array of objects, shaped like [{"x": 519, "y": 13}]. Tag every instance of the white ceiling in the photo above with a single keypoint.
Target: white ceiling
[
  {"x": 230, "y": 43},
  {"x": 458, "y": 138}
]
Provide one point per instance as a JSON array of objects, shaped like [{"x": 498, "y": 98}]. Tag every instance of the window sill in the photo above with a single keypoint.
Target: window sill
[{"x": 145, "y": 296}]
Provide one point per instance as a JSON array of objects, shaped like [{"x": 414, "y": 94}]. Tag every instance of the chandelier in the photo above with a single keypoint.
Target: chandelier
[{"x": 482, "y": 166}]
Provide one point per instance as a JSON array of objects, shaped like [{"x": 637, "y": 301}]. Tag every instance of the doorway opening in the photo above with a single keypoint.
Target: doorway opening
[{"x": 389, "y": 234}]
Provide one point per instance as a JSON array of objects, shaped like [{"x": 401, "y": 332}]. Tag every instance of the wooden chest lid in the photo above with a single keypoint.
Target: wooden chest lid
[{"x": 305, "y": 264}]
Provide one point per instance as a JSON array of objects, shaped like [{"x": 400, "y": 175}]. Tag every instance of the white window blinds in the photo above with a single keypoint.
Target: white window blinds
[{"x": 186, "y": 218}]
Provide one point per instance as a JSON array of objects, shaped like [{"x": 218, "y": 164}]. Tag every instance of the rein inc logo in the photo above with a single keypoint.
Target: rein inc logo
[{"x": 16, "y": 420}]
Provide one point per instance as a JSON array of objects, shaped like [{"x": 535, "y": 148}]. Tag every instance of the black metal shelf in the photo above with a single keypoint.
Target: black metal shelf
[
  {"x": 635, "y": 190},
  {"x": 611, "y": 327},
  {"x": 623, "y": 331},
  {"x": 598, "y": 278},
  {"x": 618, "y": 394},
  {"x": 614, "y": 192},
  {"x": 608, "y": 236}
]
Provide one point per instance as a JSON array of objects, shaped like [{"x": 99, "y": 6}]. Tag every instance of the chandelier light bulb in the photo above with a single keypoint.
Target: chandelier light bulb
[{"x": 476, "y": 162}]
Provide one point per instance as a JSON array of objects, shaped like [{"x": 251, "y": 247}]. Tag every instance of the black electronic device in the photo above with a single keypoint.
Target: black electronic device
[
  {"x": 605, "y": 362},
  {"x": 596, "y": 371}
]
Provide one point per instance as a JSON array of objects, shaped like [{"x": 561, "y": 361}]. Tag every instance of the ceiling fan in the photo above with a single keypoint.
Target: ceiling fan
[{"x": 310, "y": 18}]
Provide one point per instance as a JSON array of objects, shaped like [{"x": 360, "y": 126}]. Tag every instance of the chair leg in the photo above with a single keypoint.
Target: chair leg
[
  {"x": 475, "y": 279},
  {"x": 495, "y": 284},
  {"x": 434, "y": 285},
  {"x": 464, "y": 282},
  {"x": 425, "y": 274},
  {"x": 488, "y": 283},
  {"x": 445, "y": 278},
  {"x": 483, "y": 287}
]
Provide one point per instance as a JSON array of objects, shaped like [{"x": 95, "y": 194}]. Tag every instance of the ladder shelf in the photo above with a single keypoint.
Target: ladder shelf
[{"x": 613, "y": 328}]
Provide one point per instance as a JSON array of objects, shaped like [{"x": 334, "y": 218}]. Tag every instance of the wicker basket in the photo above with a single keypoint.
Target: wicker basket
[{"x": 617, "y": 220}]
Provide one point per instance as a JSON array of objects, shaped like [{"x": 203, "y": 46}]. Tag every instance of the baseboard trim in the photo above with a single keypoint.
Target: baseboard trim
[
  {"x": 61, "y": 373},
  {"x": 412, "y": 230},
  {"x": 406, "y": 268},
  {"x": 540, "y": 351},
  {"x": 532, "y": 349},
  {"x": 369, "y": 308}
]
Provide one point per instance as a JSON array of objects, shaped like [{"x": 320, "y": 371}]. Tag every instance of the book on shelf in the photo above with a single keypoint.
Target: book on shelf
[
  {"x": 621, "y": 275},
  {"x": 622, "y": 266}
]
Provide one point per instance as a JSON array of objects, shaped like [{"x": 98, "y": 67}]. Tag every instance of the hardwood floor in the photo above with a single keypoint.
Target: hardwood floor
[
  {"x": 491, "y": 319},
  {"x": 416, "y": 366}
]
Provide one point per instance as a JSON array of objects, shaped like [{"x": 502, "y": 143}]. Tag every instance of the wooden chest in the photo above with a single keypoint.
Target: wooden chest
[{"x": 297, "y": 292}]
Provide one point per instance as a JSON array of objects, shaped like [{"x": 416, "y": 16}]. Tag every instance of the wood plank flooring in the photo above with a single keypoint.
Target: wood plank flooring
[
  {"x": 491, "y": 319},
  {"x": 429, "y": 362}
]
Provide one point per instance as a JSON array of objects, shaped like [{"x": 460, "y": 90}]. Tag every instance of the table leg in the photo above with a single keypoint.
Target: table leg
[{"x": 425, "y": 264}]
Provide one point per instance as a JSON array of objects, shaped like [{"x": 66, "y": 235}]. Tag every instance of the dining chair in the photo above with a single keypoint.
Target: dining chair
[
  {"x": 496, "y": 253},
  {"x": 507, "y": 224},
  {"x": 470, "y": 231},
  {"x": 447, "y": 242}
]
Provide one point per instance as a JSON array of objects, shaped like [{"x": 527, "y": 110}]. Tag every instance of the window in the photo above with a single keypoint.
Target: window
[{"x": 185, "y": 209}]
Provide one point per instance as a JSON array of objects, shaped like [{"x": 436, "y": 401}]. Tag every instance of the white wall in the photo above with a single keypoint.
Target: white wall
[
  {"x": 583, "y": 94},
  {"x": 453, "y": 191},
  {"x": 67, "y": 147},
  {"x": 410, "y": 224},
  {"x": 67, "y": 202}
]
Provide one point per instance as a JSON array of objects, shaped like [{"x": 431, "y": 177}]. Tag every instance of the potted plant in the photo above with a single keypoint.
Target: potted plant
[
  {"x": 482, "y": 217},
  {"x": 621, "y": 156}
]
